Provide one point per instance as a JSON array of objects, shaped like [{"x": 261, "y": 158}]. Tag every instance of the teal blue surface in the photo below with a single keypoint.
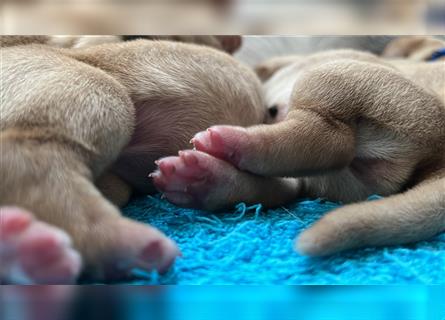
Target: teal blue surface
[
  {"x": 208, "y": 302},
  {"x": 250, "y": 245}
]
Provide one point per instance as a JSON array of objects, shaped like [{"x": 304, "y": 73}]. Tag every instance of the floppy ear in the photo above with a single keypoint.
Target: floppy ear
[
  {"x": 418, "y": 48},
  {"x": 266, "y": 69},
  {"x": 230, "y": 44}
]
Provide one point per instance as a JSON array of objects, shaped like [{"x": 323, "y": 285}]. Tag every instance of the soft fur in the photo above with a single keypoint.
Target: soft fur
[
  {"x": 350, "y": 124},
  {"x": 99, "y": 116}
]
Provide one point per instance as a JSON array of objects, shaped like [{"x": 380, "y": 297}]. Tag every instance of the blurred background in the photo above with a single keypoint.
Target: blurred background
[
  {"x": 257, "y": 49},
  {"x": 283, "y": 17}
]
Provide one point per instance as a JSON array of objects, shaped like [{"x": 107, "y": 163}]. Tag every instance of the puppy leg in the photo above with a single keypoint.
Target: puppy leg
[
  {"x": 116, "y": 190},
  {"x": 52, "y": 181},
  {"x": 415, "y": 215},
  {"x": 196, "y": 179},
  {"x": 331, "y": 104},
  {"x": 306, "y": 143},
  {"x": 58, "y": 136}
]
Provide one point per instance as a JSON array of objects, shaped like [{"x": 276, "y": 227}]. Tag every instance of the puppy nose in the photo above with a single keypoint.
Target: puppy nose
[{"x": 273, "y": 111}]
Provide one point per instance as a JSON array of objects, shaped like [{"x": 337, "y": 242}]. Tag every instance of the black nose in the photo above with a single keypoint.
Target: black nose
[{"x": 273, "y": 111}]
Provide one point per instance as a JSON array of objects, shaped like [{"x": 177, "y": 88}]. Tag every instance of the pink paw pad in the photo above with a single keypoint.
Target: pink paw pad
[
  {"x": 35, "y": 252},
  {"x": 187, "y": 179},
  {"x": 224, "y": 142}
]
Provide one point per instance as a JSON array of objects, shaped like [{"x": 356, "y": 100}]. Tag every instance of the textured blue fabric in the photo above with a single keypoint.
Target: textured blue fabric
[{"x": 250, "y": 245}]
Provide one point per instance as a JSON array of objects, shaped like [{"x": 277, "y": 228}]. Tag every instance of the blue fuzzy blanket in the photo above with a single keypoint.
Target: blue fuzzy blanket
[{"x": 250, "y": 245}]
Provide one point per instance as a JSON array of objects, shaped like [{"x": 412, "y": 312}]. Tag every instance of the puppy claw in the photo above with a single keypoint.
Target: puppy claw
[
  {"x": 188, "y": 158},
  {"x": 166, "y": 168}
]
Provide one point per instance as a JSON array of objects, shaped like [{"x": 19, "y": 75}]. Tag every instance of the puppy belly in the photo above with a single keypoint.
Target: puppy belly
[
  {"x": 165, "y": 125},
  {"x": 162, "y": 129}
]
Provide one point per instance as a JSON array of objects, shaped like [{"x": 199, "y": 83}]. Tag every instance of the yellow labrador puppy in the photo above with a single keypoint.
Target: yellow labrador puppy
[
  {"x": 344, "y": 125},
  {"x": 81, "y": 129}
]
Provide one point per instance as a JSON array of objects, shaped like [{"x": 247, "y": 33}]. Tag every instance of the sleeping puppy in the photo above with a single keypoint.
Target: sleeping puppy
[
  {"x": 344, "y": 125},
  {"x": 226, "y": 43},
  {"x": 81, "y": 129}
]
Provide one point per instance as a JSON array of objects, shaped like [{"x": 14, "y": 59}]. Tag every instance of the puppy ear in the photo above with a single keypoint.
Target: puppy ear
[
  {"x": 264, "y": 71},
  {"x": 418, "y": 48},
  {"x": 230, "y": 44},
  {"x": 267, "y": 69}
]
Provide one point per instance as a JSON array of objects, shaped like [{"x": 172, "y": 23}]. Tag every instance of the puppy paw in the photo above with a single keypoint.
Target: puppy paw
[
  {"x": 228, "y": 143},
  {"x": 339, "y": 230},
  {"x": 193, "y": 179},
  {"x": 157, "y": 254},
  {"x": 312, "y": 244},
  {"x": 34, "y": 252},
  {"x": 136, "y": 246}
]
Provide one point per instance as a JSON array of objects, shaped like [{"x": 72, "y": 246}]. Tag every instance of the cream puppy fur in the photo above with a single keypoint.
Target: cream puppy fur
[
  {"x": 226, "y": 43},
  {"x": 346, "y": 125},
  {"x": 81, "y": 128}
]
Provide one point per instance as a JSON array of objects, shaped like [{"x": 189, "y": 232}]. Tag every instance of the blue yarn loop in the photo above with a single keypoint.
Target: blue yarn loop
[
  {"x": 241, "y": 209},
  {"x": 250, "y": 245},
  {"x": 374, "y": 197}
]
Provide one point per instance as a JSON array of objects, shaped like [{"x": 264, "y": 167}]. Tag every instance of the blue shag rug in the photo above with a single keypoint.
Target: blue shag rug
[{"x": 250, "y": 245}]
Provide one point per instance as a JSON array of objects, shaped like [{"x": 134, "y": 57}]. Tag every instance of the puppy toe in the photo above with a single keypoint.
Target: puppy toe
[{"x": 228, "y": 143}]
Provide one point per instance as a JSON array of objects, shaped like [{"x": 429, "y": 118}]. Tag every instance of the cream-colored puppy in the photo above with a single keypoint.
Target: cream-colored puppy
[
  {"x": 346, "y": 125},
  {"x": 79, "y": 126}
]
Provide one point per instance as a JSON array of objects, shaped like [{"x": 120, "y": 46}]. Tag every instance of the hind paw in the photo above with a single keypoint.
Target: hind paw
[
  {"x": 193, "y": 179},
  {"x": 33, "y": 252}
]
